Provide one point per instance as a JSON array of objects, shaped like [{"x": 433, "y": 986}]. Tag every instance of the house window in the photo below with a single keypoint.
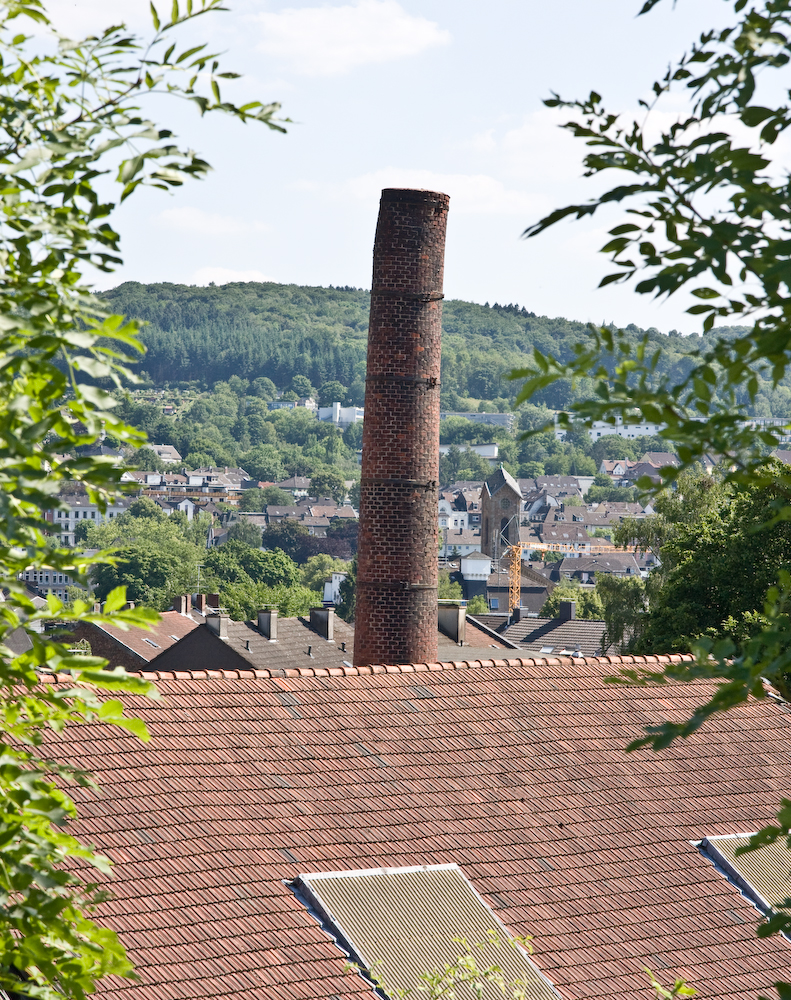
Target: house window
[
  {"x": 494, "y": 604},
  {"x": 400, "y": 922}
]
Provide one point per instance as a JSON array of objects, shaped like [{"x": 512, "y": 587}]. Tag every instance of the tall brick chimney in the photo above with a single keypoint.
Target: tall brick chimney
[{"x": 396, "y": 614}]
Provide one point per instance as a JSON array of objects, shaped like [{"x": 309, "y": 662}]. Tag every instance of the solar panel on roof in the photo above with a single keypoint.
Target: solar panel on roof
[{"x": 399, "y": 923}]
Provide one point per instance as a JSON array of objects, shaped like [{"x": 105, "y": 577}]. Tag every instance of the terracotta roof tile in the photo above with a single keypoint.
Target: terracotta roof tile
[{"x": 515, "y": 770}]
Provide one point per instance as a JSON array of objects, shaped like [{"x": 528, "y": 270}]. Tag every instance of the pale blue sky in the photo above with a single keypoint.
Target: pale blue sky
[{"x": 443, "y": 94}]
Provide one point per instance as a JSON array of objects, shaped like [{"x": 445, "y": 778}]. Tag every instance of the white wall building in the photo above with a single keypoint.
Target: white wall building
[
  {"x": 81, "y": 508},
  {"x": 449, "y": 517},
  {"x": 342, "y": 416},
  {"x": 332, "y": 588},
  {"x": 45, "y": 580},
  {"x": 476, "y": 566}
]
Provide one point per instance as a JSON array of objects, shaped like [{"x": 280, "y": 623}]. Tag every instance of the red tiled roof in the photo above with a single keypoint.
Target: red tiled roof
[
  {"x": 513, "y": 769},
  {"x": 171, "y": 624}
]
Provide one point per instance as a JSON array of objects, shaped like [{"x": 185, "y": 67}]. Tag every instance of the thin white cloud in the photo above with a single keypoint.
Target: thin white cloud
[
  {"x": 224, "y": 275},
  {"x": 331, "y": 40},
  {"x": 187, "y": 219},
  {"x": 471, "y": 194},
  {"x": 89, "y": 17}
]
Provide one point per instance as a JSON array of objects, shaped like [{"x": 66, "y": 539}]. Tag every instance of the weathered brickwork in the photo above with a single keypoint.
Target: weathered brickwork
[{"x": 396, "y": 616}]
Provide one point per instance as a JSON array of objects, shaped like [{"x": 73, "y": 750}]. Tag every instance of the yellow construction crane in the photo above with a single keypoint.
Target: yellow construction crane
[{"x": 515, "y": 577}]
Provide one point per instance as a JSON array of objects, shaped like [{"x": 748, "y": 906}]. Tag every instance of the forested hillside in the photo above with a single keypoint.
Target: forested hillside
[{"x": 204, "y": 335}]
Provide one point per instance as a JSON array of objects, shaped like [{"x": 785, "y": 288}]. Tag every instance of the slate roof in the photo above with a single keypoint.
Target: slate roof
[
  {"x": 281, "y": 512},
  {"x": 501, "y": 477},
  {"x": 295, "y": 483},
  {"x": 297, "y": 646},
  {"x": 556, "y": 635},
  {"x": 513, "y": 769},
  {"x": 617, "y": 562},
  {"x": 660, "y": 458},
  {"x": 460, "y": 536}
]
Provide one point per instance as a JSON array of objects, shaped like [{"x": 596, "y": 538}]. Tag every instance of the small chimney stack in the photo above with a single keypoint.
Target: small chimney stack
[
  {"x": 396, "y": 614},
  {"x": 567, "y": 611},
  {"x": 267, "y": 623},
  {"x": 322, "y": 621},
  {"x": 452, "y": 620},
  {"x": 180, "y": 604},
  {"x": 218, "y": 623}
]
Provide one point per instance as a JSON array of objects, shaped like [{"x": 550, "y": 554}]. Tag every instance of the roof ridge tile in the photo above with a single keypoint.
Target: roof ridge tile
[{"x": 388, "y": 668}]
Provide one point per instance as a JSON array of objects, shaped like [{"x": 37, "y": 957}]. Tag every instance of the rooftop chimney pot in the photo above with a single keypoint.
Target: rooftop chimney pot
[
  {"x": 218, "y": 624},
  {"x": 322, "y": 621},
  {"x": 180, "y": 604},
  {"x": 267, "y": 623}
]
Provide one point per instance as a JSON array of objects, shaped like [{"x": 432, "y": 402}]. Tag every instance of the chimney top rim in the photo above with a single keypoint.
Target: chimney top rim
[{"x": 414, "y": 194}]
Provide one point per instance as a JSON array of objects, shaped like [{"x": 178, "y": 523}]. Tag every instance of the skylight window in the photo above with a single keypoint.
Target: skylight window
[
  {"x": 400, "y": 922},
  {"x": 763, "y": 876},
  {"x": 546, "y": 649},
  {"x": 151, "y": 643}
]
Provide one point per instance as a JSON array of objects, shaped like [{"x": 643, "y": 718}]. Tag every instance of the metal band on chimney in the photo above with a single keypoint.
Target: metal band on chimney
[
  {"x": 397, "y": 293},
  {"x": 431, "y": 484},
  {"x": 424, "y": 383}
]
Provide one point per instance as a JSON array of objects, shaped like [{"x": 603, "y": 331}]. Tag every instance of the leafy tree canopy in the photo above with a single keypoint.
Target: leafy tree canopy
[
  {"x": 588, "y": 602},
  {"x": 71, "y": 111},
  {"x": 244, "y": 531},
  {"x": 328, "y": 484},
  {"x": 705, "y": 195},
  {"x": 319, "y": 568}
]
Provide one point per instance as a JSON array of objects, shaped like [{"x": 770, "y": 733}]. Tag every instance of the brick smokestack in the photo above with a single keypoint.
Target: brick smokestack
[{"x": 396, "y": 615}]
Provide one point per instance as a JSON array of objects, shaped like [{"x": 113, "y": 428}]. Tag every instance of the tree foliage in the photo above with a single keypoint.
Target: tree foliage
[
  {"x": 70, "y": 111},
  {"x": 319, "y": 568},
  {"x": 587, "y": 599},
  {"x": 708, "y": 215}
]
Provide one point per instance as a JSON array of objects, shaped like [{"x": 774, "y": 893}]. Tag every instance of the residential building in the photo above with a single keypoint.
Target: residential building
[
  {"x": 166, "y": 452},
  {"x": 586, "y": 570},
  {"x": 308, "y": 402},
  {"x": 265, "y": 783},
  {"x": 44, "y": 580},
  {"x": 449, "y": 514},
  {"x": 332, "y": 588},
  {"x": 458, "y": 542},
  {"x": 616, "y": 469},
  {"x": 297, "y": 486},
  {"x": 138, "y": 649},
  {"x": 660, "y": 458},
  {"x": 82, "y": 508}
]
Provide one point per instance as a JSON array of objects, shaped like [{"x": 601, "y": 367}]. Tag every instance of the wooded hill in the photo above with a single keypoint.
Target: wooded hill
[{"x": 204, "y": 335}]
